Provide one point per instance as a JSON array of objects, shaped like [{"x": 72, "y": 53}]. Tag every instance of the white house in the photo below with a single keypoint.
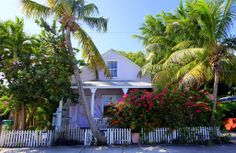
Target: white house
[{"x": 124, "y": 76}]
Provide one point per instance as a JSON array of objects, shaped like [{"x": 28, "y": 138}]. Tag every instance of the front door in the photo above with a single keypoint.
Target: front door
[{"x": 106, "y": 99}]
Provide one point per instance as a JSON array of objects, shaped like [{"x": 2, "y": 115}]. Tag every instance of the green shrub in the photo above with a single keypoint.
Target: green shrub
[{"x": 169, "y": 108}]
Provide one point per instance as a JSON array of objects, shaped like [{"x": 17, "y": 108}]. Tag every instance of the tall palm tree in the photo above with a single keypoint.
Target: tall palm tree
[
  {"x": 199, "y": 31},
  {"x": 71, "y": 14},
  {"x": 14, "y": 46},
  {"x": 213, "y": 20}
]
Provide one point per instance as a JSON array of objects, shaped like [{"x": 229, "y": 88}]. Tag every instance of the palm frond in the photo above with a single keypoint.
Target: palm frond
[
  {"x": 163, "y": 78},
  {"x": 34, "y": 9},
  {"x": 90, "y": 51},
  {"x": 229, "y": 74},
  {"x": 98, "y": 23},
  {"x": 185, "y": 69},
  {"x": 197, "y": 76},
  {"x": 67, "y": 7},
  {"x": 143, "y": 39},
  {"x": 182, "y": 45},
  {"x": 230, "y": 43},
  {"x": 150, "y": 69},
  {"x": 227, "y": 18},
  {"x": 183, "y": 56},
  {"x": 151, "y": 47},
  {"x": 86, "y": 10},
  {"x": 138, "y": 37},
  {"x": 51, "y": 3}
]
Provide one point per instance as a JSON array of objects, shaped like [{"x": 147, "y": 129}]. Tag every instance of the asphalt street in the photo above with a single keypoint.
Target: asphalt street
[{"x": 229, "y": 148}]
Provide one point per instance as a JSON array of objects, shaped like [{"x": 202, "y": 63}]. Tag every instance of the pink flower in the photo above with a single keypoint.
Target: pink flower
[
  {"x": 142, "y": 98},
  {"x": 198, "y": 111},
  {"x": 149, "y": 95},
  {"x": 165, "y": 91},
  {"x": 189, "y": 104},
  {"x": 125, "y": 95},
  {"x": 156, "y": 97},
  {"x": 212, "y": 97},
  {"x": 206, "y": 92}
]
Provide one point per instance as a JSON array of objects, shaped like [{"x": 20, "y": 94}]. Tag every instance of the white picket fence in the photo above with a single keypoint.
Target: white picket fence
[
  {"x": 118, "y": 136},
  {"x": 180, "y": 135},
  {"x": 73, "y": 135},
  {"x": 102, "y": 123},
  {"x": 25, "y": 138},
  {"x": 30, "y": 138}
]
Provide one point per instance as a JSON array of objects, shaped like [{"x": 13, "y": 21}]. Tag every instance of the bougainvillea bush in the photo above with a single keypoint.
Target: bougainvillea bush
[{"x": 169, "y": 108}]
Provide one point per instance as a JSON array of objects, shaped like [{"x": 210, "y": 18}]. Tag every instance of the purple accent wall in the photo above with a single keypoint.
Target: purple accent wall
[{"x": 77, "y": 114}]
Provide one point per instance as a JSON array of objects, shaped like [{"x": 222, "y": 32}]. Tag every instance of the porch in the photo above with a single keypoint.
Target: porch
[{"x": 99, "y": 94}]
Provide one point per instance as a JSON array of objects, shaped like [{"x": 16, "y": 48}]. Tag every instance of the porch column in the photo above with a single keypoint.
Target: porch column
[
  {"x": 59, "y": 116},
  {"x": 93, "y": 91},
  {"x": 125, "y": 90}
]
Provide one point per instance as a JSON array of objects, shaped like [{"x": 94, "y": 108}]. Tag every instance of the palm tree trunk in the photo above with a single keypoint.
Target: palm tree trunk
[
  {"x": 100, "y": 137},
  {"x": 215, "y": 92}
]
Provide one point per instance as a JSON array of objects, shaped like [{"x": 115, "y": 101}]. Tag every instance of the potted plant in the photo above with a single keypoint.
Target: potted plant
[{"x": 135, "y": 132}]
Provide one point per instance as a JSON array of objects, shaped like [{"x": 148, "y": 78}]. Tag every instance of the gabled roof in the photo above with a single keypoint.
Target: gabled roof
[{"x": 112, "y": 51}]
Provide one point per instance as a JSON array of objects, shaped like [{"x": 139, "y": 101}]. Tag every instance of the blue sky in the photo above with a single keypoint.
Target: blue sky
[{"x": 125, "y": 18}]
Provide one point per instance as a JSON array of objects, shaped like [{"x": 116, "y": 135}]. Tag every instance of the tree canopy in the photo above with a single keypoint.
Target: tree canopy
[
  {"x": 136, "y": 57},
  {"x": 37, "y": 68},
  {"x": 181, "y": 45}
]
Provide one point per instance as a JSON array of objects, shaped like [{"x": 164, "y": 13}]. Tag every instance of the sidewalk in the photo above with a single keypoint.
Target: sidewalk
[{"x": 127, "y": 149}]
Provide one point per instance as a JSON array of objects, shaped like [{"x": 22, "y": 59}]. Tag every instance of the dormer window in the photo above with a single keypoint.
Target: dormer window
[{"x": 112, "y": 66}]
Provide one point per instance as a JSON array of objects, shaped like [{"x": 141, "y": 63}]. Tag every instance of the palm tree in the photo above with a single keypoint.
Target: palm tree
[
  {"x": 201, "y": 44},
  {"x": 71, "y": 13},
  {"x": 214, "y": 20},
  {"x": 14, "y": 45}
]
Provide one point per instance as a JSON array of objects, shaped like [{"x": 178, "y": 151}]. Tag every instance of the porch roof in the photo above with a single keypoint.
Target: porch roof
[{"x": 109, "y": 84}]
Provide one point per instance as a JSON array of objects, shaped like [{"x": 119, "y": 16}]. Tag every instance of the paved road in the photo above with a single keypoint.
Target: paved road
[{"x": 130, "y": 149}]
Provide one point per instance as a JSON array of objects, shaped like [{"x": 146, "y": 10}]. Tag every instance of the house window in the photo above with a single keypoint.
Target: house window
[
  {"x": 106, "y": 99},
  {"x": 112, "y": 66}
]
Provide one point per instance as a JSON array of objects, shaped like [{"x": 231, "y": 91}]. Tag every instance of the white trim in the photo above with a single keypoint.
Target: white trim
[
  {"x": 93, "y": 90},
  {"x": 125, "y": 90},
  {"x": 111, "y": 87},
  {"x": 103, "y": 101},
  {"x": 92, "y": 100}
]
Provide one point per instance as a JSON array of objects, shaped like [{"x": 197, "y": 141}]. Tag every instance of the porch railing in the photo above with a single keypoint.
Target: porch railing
[{"x": 102, "y": 123}]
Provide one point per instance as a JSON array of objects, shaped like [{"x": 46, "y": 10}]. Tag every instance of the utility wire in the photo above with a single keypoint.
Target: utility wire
[{"x": 111, "y": 32}]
